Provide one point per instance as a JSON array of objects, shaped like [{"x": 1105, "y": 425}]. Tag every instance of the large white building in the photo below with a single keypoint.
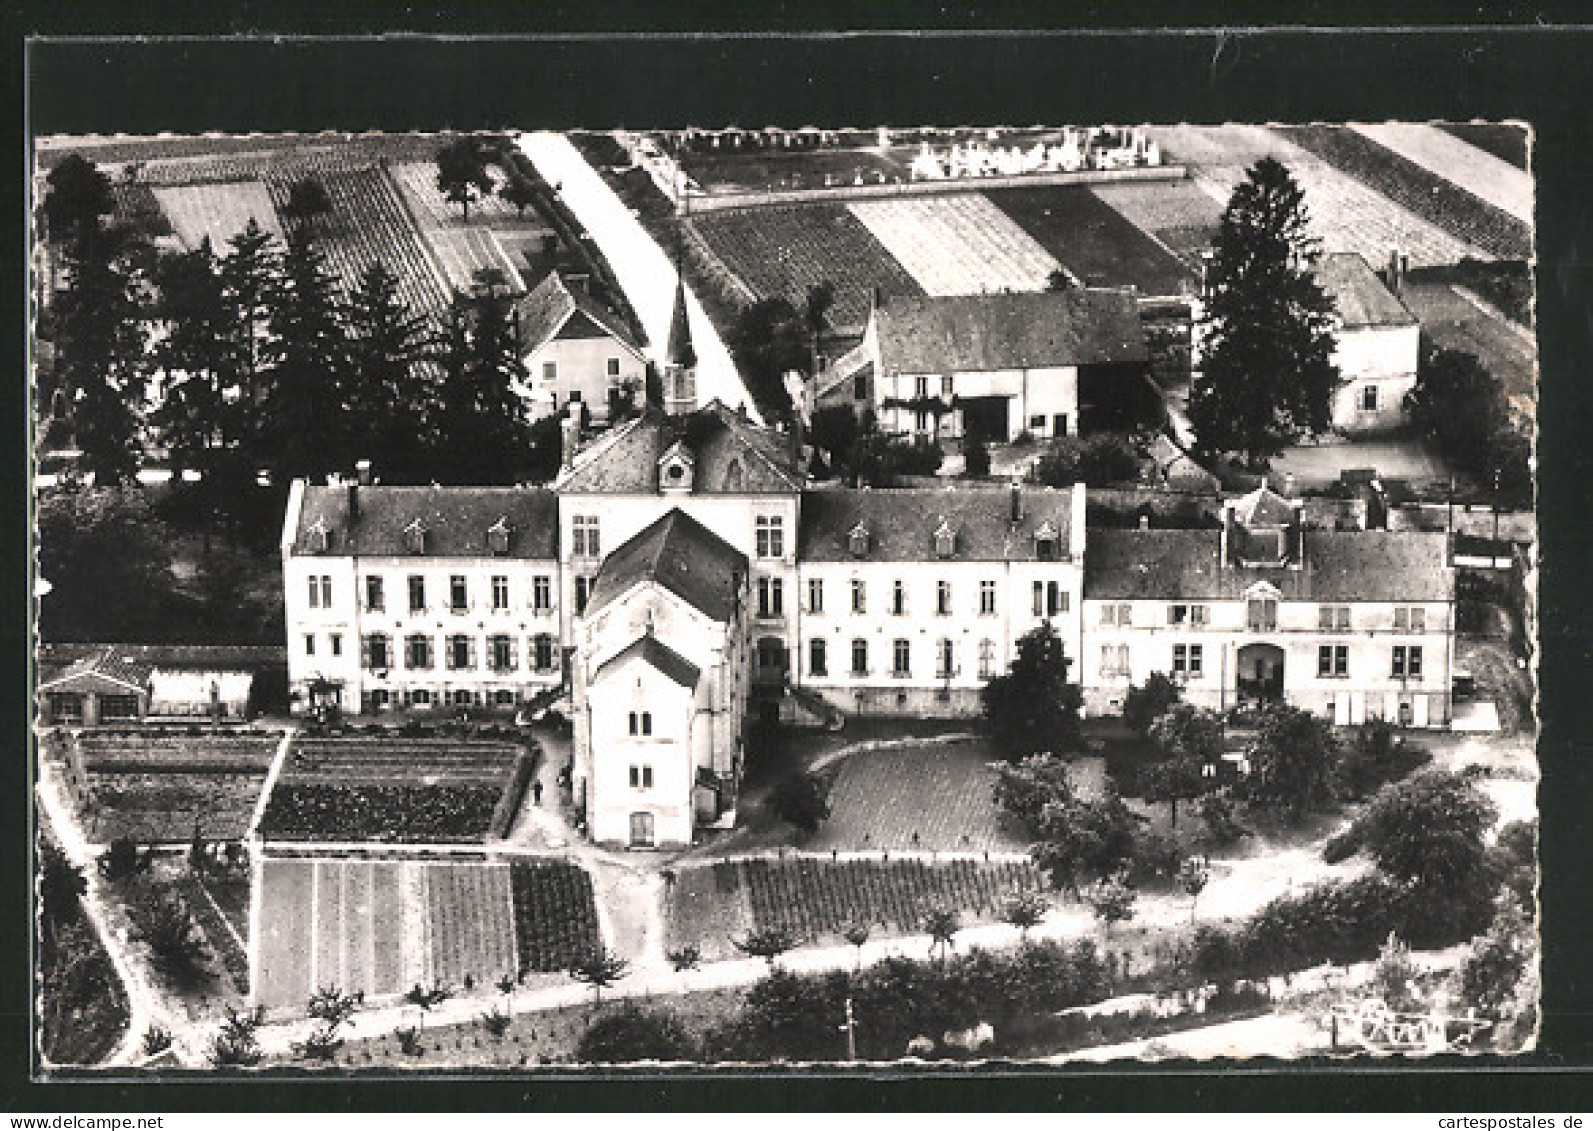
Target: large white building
[{"x": 679, "y": 576}]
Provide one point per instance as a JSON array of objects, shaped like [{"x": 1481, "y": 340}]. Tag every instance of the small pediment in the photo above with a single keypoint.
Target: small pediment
[
  {"x": 945, "y": 539},
  {"x": 318, "y": 537},
  {"x": 499, "y": 535},
  {"x": 677, "y": 468},
  {"x": 415, "y": 537},
  {"x": 858, "y": 540}
]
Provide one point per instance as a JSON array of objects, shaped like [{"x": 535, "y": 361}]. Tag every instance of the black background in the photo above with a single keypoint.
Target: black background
[{"x": 68, "y": 68}]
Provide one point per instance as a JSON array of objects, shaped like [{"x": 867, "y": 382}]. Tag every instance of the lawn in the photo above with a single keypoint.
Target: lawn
[{"x": 1093, "y": 240}]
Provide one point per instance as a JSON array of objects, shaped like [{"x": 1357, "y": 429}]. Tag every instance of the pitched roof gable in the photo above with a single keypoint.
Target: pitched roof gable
[
  {"x": 683, "y": 556},
  {"x": 1360, "y": 296},
  {"x": 457, "y": 521},
  {"x": 732, "y": 456},
  {"x": 544, "y": 313},
  {"x": 112, "y": 670},
  {"x": 653, "y": 651},
  {"x": 985, "y": 333}
]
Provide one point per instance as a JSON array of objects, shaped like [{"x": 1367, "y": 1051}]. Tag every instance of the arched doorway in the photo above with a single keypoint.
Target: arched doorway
[
  {"x": 772, "y": 662},
  {"x": 1261, "y": 672}
]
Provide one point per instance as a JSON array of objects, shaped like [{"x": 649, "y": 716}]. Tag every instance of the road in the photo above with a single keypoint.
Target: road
[{"x": 642, "y": 267}]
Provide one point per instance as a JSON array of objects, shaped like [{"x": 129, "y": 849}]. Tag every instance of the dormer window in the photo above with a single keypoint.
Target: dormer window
[
  {"x": 319, "y": 537},
  {"x": 415, "y": 537},
  {"x": 857, "y": 541},
  {"x": 675, "y": 469},
  {"x": 945, "y": 540},
  {"x": 1045, "y": 542},
  {"x": 498, "y": 536}
]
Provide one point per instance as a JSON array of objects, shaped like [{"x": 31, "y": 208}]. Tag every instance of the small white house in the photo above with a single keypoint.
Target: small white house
[
  {"x": 576, "y": 351},
  {"x": 1377, "y": 345}
]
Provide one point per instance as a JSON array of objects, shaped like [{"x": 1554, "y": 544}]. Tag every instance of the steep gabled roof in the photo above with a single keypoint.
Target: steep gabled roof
[
  {"x": 551, "y": 304},
  {"x": 733, "y": 456},
  {"x": 1360, "y": 296},
  {"x": 111, "y": 670},
  {"x": 1263, "y": 507},
  {"x": 985, "y": 333},
  {"x": 683, "y": 556},
  {"x": 456, "y": 521},
  {"x": 681, "y": 352},
  {"x": 901, "y": 523},
  {"x": 661, "y": 656}
]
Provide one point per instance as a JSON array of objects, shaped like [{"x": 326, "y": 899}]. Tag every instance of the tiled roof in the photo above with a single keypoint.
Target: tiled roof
[
  {"x": 54, "y": 659},
  {"x": 456, "y": 521},
  {"x": 1360, "y": 296},
  {"x": 1339, "y": 566},
  {"x": 548, "y": 307},
  {"x": 680, "y": 554},
  {"x": 1263, "y": 507},
  {"x": 113, "y": 669},
  {"x": 901, "y": 524},
  {"x": 982, "y": 333},
  {"x": 732, "y": 456},
  {"x": 661, "y": 656}
]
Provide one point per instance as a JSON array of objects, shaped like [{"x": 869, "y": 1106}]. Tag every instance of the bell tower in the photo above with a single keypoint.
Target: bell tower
[{"x": 680, "y": 363}]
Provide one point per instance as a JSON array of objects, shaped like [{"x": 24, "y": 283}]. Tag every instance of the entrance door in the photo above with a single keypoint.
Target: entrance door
[
  {"x": 1261, "y": 672},
  {"x": 641, "y": 830},
  {"x": 1059, "y": 424},
  {"x": 984, "y": 418}
]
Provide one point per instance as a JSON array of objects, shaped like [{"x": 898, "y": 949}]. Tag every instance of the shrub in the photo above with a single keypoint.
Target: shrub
[
  {"x": 1223, "y": 827},
  {"x": 629, "y": 1033},
  {"x": 120, "y": 860},
  {"x": 1142, "y": 706},
  {"x": 1428, "y": 831},
  {"x": 976, "y": 458},
  {"x": 802, "y": 800},
  {"x": 1097, "y": 460}
]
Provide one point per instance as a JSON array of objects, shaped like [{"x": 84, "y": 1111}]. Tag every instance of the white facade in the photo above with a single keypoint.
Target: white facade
[
  {"x": 1378, "y": 367},
  {"x": 566, "y": 370}
]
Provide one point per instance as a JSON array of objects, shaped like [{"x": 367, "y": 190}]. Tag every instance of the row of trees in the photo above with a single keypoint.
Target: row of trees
[{"x": 266, "y": 364}]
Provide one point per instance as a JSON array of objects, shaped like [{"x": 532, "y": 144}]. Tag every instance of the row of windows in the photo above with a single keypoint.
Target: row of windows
[
  {"x": 378, "y": 652},
  {"x": 1050, "y": 598},
  {"x": 901, "y": 658},
  {"x": 379, "y": 697},
  {"x": 586, "y": 541},
  {"x": 550, "y": 372},
  {"x": 1333, "y": 661},
  {"x": 1261, "y": 615},
  {"x": 541, "y": 594}
]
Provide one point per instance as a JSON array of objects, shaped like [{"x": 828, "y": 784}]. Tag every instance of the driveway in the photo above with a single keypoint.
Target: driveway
[{"x": 644, "y": 270}]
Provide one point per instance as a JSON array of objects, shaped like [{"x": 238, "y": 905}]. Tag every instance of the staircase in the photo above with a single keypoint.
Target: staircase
[{"x": 804, "y": 708}]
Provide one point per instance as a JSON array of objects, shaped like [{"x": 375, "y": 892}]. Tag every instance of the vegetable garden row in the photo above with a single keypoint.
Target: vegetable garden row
[
  {"x": 555, "y": 914},
  {"x": 171, "y": 807},
  {"x": 393, "y": 814},
  {"x": 222, "y": 752}
]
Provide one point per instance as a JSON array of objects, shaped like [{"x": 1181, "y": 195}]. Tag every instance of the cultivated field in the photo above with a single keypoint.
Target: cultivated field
[
  {"x": 417, "y": 180},
  {"x": 257, "y": 152},
  {"x": 958, "y": 244},
  {"x": 1093, "y": 240},
  {"x": 555, "y": 914},
  {"x": 380, "y": 926},
  {"x": 217, "y": 211},
  {"x": 753, "y": 169},
  {"x": 782, "y": 252},
  {"x": 163, "y": 789},
  {"x": 1346, "y": 214},
  {"x": 1420, "y": 191},
  {"x": 1489, "y": 178},
  {"x": 1453, "y": 322},
  {"x": 462, "y": 252},
  {"x": 933, "y": 797},
  {"x": 1178, "y": 213},
  {"x": 817, "y": 899},
  {"x": 1508, "y": 143}
]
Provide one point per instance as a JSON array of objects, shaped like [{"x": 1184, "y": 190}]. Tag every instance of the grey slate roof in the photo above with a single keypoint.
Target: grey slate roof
[
  {"x": 1263, "y": 507},
  {"x": 732, "y": 456},
  {"x": 901, "y": 523},
  {"x": 1340, "y": 567},
  {"x": 456, "y": 520},
  {"x": 1360, "y": 296},
  {"x": 661, "y": 656},
  {"x": 680, "y": 554},
  {"x": 111, "y": 669},
  {"x": 550, "y": 304},
  {"x": 981, "y": 333}
]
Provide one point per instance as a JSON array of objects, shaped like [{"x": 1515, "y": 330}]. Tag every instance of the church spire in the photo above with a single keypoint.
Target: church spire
[{"x": 680, "y": 360}]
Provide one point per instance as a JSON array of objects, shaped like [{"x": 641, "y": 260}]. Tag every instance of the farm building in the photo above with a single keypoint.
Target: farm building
[
  {"x": 575, "y": 350},
  {"x": 997, "y": 365},
  {"x": 121, "y": 683},
  {"x": 1377, "y": 344}
]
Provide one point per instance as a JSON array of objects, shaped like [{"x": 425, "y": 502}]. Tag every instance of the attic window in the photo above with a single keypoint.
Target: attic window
[
  {"x": 498, "y": 536},
  {"x": 945, "y": 540},
  {"x": 415, "y": 537},
  {"x": 857, "y": 540},
  {"x": 1045, "y": 541},
  {"x": 319, "y": 537}
]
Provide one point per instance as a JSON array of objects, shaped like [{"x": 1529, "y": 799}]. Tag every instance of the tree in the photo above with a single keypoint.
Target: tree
[
  {"x": 1293, "y": 762},
  {"x": 1193, "y": 876},
  {"x": 688, "y": 957},
  {"x": 941, "y": 924},
  {"x": 1112, "y": 900},
  {"x": 78, "y": 195},
  {"x": 1500, "y": 966},
  {"x": 425, "y": 999},
  {"x": 176, "y": 949},
  {"x": 1077, "y": 838},
  {"x": 767, "y": 944},
  {"x": 480, "y": 432},
  {"x": 1458, "y": 405},
  {"x": 857, "y": 935},
  {"x": 1429, "y": 831},
  {"x": 1191, "y": 741},
  {"x": 236, "y": 1044},
  {"x": 1025, "y": 912},
  {"x": 518, "y": 194},
  {"x": 599, "y": 968},
  {"x": 95, "y": 541},
  {"x": 1027, "y": 788},
  {"x": 1142, "y": 706},
  {"x": 462, "y": 174},
  {"x": 1394, "y": 976},
  {"x": 1267, "y": 373},
  {"x": 816, "y": 319},
  {"x": 802, "y": 800},
  {"x": 835, "y": 430},
  {"x": 630, "y": 1033},
  {"x": 119, "y": 861},
  {"x": 390, "y": 394},
  {"x": 1097, "y": 460},
  {"x": 1061, "y": 280},
  {"x": 307, "y": 199},
  {"x": 1033, "y": 707},
  {"x": 769, "y": 339},
  {"x": 199, "y": 354},
  {"x": 333, "y": 1006},
  {"x": 304, "y": 418},
  {"x": 251, "y": 274}
]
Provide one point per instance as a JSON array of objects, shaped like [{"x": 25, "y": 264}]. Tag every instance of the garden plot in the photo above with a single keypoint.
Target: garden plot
[
  {"x": 958, "y": 244},
  {"x": 1178, "y": 213},
  {"x": 1480, "y": 173},
  {"x": 1506, "y": 142},
  {"x": 462, "y": 252},
  {"x": 380, "y": 926},
  {"x": 1092, "y": 240},
  {"x": 1346, "y": 214},
  {"x": 1455, "y": 322},
  {"x": 418, "y": 182},
  {"x": 218, "y": 212}
]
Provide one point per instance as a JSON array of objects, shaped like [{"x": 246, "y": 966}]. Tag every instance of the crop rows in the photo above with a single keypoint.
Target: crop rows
[
  {"x": 369, "y": 224},
  {"x": 462, "y": 252},
  {"x": 1092, "y": 239},
  {"x": 222, "y": 752},
  {"x": 820, "y": 897},
  {"x": 384, "y": 813},
  {"x": 782, "y": 252},
  {"x": 417, "y": 180},
  {"x": 470, "y": 913},
  {"x": 555, "y": 914},
  {"x": 1508, "y": 143},
  {"x": 958, "y": 244},
  {"x": 400, "y": 760},
  {"x": 258, "y": 152},
  {"x": 168, "y": 808},
  {"x": 1178, "y": 213},
  {"x": 1438, "y": 201},
  {"x": 218, "y": 211}
]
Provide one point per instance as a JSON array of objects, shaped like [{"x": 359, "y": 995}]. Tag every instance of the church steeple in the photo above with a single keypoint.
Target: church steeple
[{"x": 680, "y": 363}]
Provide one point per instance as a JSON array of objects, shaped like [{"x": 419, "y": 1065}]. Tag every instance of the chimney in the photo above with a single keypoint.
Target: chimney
[
  {"x": 1144, "y": 522},
  {"x": 1294, "y": 551},
  {"x": 1078, "y": 513},
  {"x": 362, "y": 469},
  {"x": 1229, "y": 539},
  {"x": 353, "y": 501},
  {"x": 569, "y": 438},
  {"x": 1393, "y": 269},
  {"x": 1015, "y": 502},
  {"x": 1288, "y": 485}
]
